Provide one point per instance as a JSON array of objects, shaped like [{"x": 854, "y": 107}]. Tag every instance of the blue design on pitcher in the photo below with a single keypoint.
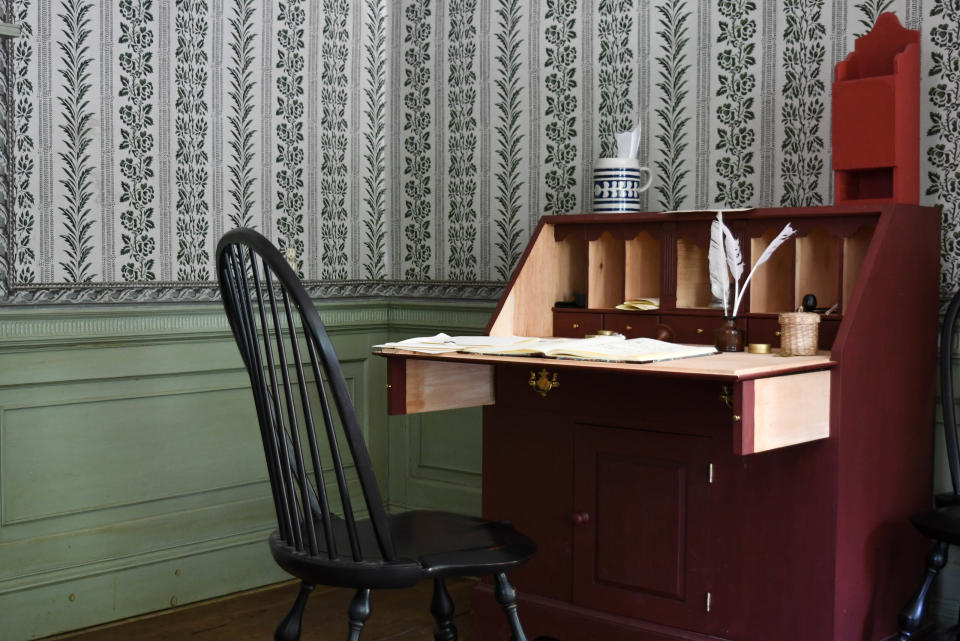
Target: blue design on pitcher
[{"x": 617, "y": 190}]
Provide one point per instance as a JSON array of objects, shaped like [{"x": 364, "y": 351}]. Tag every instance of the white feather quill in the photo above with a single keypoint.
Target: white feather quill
[
  {"x": 717, "y": 259},
  {"x": 734, "y": 259},
  {"x": 784, "y": 234}
]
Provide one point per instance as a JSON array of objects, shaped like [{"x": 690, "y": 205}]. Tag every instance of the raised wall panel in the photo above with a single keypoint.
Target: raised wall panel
[
  {"x": 435, "y": 460},
  {"x": 110, "y": 452}
]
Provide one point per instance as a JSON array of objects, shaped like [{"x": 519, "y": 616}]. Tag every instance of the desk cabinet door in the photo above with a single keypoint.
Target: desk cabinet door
[{"x": 641, "y": 548}]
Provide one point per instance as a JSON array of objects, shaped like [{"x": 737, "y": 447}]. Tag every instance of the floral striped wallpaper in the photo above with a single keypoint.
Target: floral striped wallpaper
[{"x": 409, "y": 146}]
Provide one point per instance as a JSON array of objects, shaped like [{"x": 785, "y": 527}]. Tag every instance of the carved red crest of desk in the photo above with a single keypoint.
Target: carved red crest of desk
[{"x": 739, "y": 496}]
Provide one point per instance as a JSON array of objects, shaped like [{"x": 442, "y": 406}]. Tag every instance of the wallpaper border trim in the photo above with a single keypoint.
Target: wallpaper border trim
[
  {"x": 11, "y": 294},
  {"x": 50, "y": 327}
]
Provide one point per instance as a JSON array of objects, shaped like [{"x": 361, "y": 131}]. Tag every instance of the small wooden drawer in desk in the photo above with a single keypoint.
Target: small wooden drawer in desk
[
  {"x": 576, "y": 324},
  {"x": 698, "y": 329},
  {"x": 631, "y": 324}
]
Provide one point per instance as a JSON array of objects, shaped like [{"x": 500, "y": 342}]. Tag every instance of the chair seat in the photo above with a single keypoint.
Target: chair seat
[
  {"x": 427, "y": 543},
  {"x": 941, "y": 524}
]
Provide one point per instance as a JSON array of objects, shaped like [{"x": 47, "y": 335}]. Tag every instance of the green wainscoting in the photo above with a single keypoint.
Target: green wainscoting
[{"x": 131, "y": 476}]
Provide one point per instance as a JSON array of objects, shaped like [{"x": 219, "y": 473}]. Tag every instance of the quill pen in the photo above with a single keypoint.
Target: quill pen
[
  {"x": 734, "y": 261},
  {"x": 784, "y": 234},
  {"x": 717, "y": 259}
]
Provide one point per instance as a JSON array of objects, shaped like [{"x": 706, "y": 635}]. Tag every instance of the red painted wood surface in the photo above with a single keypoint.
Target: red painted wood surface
[
  {"x": 396, "y": 386},
  {"x": 876, "y": 116},
  {"x": 547, "y": 617},
  {"x": 884, "y": 438},
  {"x": 761, "y": 523},
  {"x": 806, "y": 542}
]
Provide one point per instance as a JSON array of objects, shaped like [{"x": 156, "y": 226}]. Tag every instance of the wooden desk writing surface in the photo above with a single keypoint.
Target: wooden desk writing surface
[
  {"x": 727, "y": 367},
  {"x": 739, "y": 497}
]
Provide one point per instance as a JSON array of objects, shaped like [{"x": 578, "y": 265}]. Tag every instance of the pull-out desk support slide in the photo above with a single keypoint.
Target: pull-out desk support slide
[{"x": 775, "y": 402}]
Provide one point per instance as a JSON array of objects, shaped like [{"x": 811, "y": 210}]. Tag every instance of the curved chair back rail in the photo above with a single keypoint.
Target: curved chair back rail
[
  {"x": 299, "y": 390},
  {"x": 289, "y": 356}
]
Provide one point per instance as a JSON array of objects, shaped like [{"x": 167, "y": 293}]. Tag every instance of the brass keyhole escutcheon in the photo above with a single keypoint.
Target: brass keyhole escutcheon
[{"x": 542, "y": 382}]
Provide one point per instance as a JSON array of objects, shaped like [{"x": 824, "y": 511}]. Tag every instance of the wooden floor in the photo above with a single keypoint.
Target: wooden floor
[{"x": 398, "y": 615}]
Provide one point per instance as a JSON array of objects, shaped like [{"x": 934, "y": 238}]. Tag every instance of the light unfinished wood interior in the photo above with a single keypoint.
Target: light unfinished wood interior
[
  {"x": 433, "y": 385},
  {"x": 693, "y": 275},
  {"x": 642, "y": 276},
  {"x": 605, "y": 272},
  {"x": 771, "y": 288},
  {"x": 553, "y": 271},
  {"x": 854, "y": 251},
  {"x": 818, "y": 268},
  {"x": 788, "y": 410}
]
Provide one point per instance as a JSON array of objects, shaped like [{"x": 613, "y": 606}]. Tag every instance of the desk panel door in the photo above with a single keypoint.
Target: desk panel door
[{"x": 641, "y": 546}]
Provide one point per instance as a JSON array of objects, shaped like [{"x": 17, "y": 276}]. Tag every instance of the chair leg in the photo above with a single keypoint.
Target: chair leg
[
  {"x": 912, "y": 614},
  {"x": 441, "y": 607},
  {"x": 506, "y": 596},
  {"x": 359, "y": 612},
  {"x": 289, "y": 628}
]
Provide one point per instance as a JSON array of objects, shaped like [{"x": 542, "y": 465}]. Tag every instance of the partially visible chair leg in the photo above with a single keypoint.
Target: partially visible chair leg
[
  {"x": 912, "y": 614},
  {"x": 441, "y": 607},
  {"x": 359, "y": 612},
  {"x": 506, "y": 596},
  {"x": 289, "y": 628}
]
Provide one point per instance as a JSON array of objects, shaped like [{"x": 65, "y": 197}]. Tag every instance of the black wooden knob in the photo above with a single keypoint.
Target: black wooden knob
[{"x": 579, "y": 518}]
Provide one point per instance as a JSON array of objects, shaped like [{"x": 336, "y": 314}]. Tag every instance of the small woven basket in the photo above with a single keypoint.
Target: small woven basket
[{"x": 798, "y": 333}]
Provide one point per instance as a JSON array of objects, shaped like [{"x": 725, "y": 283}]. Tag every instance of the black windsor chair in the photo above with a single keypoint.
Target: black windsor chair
[
  {"x": 289, "y": 356},
  {"x": 942, "y": 524}
]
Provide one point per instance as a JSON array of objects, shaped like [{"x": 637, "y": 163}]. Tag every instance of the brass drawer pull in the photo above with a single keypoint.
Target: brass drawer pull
[
  {"x": 699, "y": 330},
  {"x": 726, "y": 395},
  {"x": 542, "y": 382},
  {"x": 778, "y": 332},
  {"x": 576, "y": 325},
  {"x": 629, "y": 327}
]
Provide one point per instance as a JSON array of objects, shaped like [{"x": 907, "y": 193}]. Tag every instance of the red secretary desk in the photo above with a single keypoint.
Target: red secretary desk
[{"x": 745, "y": 497}]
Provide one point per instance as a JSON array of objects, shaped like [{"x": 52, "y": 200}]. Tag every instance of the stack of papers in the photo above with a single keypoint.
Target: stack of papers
[{"x": 640, "y": 303}]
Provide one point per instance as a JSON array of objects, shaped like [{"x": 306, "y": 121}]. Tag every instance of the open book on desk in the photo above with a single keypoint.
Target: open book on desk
[
  {"x": 442, "y": 343},
  {"x": 602, "y": 348}
]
